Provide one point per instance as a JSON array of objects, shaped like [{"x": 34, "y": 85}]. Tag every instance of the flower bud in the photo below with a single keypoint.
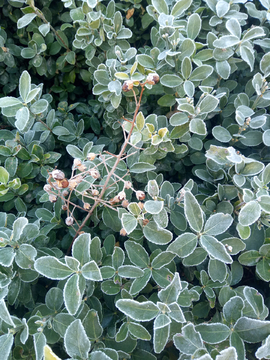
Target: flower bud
[
  {"x": 123, "y": 232},
  {"x": 91, "y": 156},
  {"x": 145, "y": 222},
  {"x": 69, "y": 220},
  {"x": 52, "y": 198},
  {"x": 140, "y": 195},
  {"x": 125, "y": 203},
  {"x": 65, "y": 193},
  {"x": 121, "y": 196},
  {"x": 128, "y": 85},
  {"x": 63, "y": 183},
  {"x": 82, "y": 167},
  {"x": 47, "y": 188},
  {"x": 95, "y": 192},
  {"x": 94, "y": 173},
  {"x": 86, "y": 206},
  {"x": 64, "y": 207},
  {"x": 58, "y": 175},
  {"x": 114, "y": 200},
  {"x": 152, "y": 79},
  {"x": 77, "y": 162},
  {"x": 127, "y": 185}
]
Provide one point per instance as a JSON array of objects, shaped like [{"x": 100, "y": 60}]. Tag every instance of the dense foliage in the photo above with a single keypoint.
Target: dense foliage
[{"x": 134, "y": 173}]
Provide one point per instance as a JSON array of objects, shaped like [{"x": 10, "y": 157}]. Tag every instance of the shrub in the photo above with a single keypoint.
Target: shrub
[{"x": 134, "y": 172}]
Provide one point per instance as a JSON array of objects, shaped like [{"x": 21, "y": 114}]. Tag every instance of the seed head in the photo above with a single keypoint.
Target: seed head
[
  {"x": 58, "y": 175},
  {"x": 77, "y": 162},
  {"x": 86, "y": 206},
  {"x": 127, "y": 185},
  {"x": 52, "y": 198},
  {"x": 47, "y": 188},
  {"x": 65, "y": 193},
  {"x": 69, "y": 220},
  {"x": 91, "y": 156},
  {"x": 141, "y": 205},
  {"x": 140, "y": 195},
  {"x": 94, "y": 173},
  {"x": 125, "y": 203},
  {"x": 152, "y": 79},
  {"x": 121, "y": 196},
  {"x": 123, "y": 232},
  {"x": 128, "y": 85},
  {"x": 95, "y": 192}
]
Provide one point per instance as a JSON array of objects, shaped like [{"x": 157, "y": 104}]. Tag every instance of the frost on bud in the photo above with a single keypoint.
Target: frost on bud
[
  {"x": 86, "y": 206},
  {"x": 58, "y": 175},
  {"x": 81, "y": 167},
  {"x": 91, "y": 156},
  {"x": 127, "y": 185},
  {"x": 77, "y": 162},
  {"x": 64, "y": 207},
  {"x": 94, "y": 173},
  {"x": 123, "y": 232},
  {"x": 140, "y": 195},
  {"x": 95, "y": 192},
  {"x": 152, "y": 79},
  {"x": 69, "y": 220},
  {"x": 128, "y": 85},
  {"x": 125, "y": 203},
  {"x": 52, "y": 198},
  {"x": 121, "y": 196},
  {"x": 47, "y": 188}
]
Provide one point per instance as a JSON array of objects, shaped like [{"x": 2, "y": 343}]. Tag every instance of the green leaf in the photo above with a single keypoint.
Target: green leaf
[
  {"x": 194, "y": 26},
  {"x": 171, "y": 292},
  {"x": 54, "y": 299},
  {"x": 249, "y": 258},
  {"x": 263, "y": 351},
  {"x": 140, "y": 283},
  {"x": 92, "y": 325},
  {"x": 263, "y": 269},
  {"x": 152, "y": 188},
  {"x": 6, "y": 342},
  {"x": 153, "y": 206},
  {"x": 218, "y": 224},
  {"x": 201, "y": 73},
  {"x": 52, "y": 268},
  {"x": 226, "y": 41},
  {"x": 157, "y": 235},
  {"x": 217, "y": 270},
  {"x": 186, "y": 68},
  {"x": 162, "y": 259},
  {"x": 72, "y": 294},
  {"x": 25, "y": 256},
  {"x": 81, "y": 248},
  {"x": 223, "y": 69},
  {"x": 141, "y": 167},
  {"x": 233, "y": 309},
  {"x": 215, "y": 248},
  {"x": 161, "y": 336},
  {"x": 139, "y": 311},
  {"x": 4, "y": 175},
  {"x": 25, "y": 20},
  {"x": 249, "y": 213},
  {"x": 111, "y": 220},
  {"x": 180, "y": 7},
  {"x": 129, "y": 222},
  {"x": 193, "y": 212},
  {"x": 253, "y": 33},
  {"x": 161, "y": 6},
  {"x": 24, "y": 85},
  {"x": 252, "y": 330},
  {"x": 4, "y": 313},
  {"x": 208, "y": 104},
  {"x": 91, "y": 271},
  {"x": 137, "y": 254},
  {"x": 228, "y": 354},
  {"x": 130, "y": 271},
  {"x": 39, "y": 106},
  {"x": 189, "y": 340},
  {"x": 171, "y": 80},
  {"x": 39, "y": 343},
  {"x": 197, "y": 126},
  {"x": 76, "y": 341},
  {"x": 213, "y": 333},
  {"x": 118, "y": 257},
  {"x": 183, "y": 245},
  {"x": 138, "y": 331},
  {"x": 145, "y": 61}
]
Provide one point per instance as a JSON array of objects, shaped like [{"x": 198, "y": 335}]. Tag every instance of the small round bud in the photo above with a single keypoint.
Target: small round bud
[
  {"x": 152, "y": 78},
  {"x": 125, "y": 203},
  {"x": 145, "y": 222},
  {"x": 77, "y": 162},
  {"x": 95, "y": 192},
  {"x": 69, "y": 220},
  {"x": 121, "y": 196},
  {"x": 91, "y": 156},
  {"x": 52, "y": 198},
  {"x": 123, "y": 232},
  {"x": 86, "y": 206},
  {"x": 58, "y": 175},
  {"x": 140, "y": 195},
  {"x": 114, "y": 200},
  {"x": 127, "y": 185},
  {"x": 64, "y": 183},
  {"x": 128, "y": 85},
  {"x": 94, "y": 173},
  {"x": 65, "y": 193},
  {"x": 81, "y": 167},
  {"x": 141, "y": 205},
  {"x": 64, "y": 207},
  {"x": 47, "y": 188},
  {"x": 230, "y": 248}
]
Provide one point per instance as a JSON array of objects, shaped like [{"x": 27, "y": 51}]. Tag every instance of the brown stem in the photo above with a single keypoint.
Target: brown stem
[{"x": 118, "y": 158}]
